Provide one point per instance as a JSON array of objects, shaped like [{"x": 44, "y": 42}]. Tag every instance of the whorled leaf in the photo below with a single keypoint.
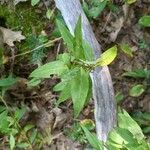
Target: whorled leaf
[
  {"x": 107, "y": 57},
  {"x": 55, "y": 67},
  {"x": 79, "y": 91}
]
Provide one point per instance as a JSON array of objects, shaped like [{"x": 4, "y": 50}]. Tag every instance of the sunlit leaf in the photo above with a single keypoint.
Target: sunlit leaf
[{"x": 107, "y": 57}]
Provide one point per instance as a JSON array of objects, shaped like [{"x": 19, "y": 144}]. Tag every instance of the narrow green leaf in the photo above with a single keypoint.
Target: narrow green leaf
[
  {"x": 145, "y": 21},
  {"x": 107, "y": 57},
  {"x": 95, "y": 143},
  {"x": 78, "y": 32},
  {"x": 12, "y": 142},
  {"x": 139, "y": 73},
  {"x": 79, "y": 91},
  {"x": 88, "y": 51},
  {"x": 34, "y": 2},
  {"x": 67, "y": 37},
  {"x": 78, "y": 48},
  {"x": 137, "y": 90},
  {"x": 55, "y": 67}
]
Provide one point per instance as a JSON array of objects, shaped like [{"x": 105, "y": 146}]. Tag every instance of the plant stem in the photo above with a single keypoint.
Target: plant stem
[{"x": 43, "y": 45}]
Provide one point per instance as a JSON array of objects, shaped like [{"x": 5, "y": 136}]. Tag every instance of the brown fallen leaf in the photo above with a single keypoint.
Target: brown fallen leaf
[
  {"x": 60, "y": 118},
  {"x": 10, "y": 36}
]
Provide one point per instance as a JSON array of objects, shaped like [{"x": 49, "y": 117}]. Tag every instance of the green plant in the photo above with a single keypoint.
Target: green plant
[
  {"x": 143, "y": 119},
  {"x": 138, "y": 89},
  {"x": 127, "y": 136},
  {"x": 34, "y": 2},
  {"x": 76, "y": 133},
  {"x": 93, "y": 8},
  {"x": 17, "y": 136},
  {"x": 145, "y": 21},
  {"x": 74, "y": 67}
]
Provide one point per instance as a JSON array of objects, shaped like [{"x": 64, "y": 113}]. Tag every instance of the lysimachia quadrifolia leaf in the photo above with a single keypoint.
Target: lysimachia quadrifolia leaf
[
  {"x": 78, "y": 48},
  {"x": 55, "y": 67},
  {"x": 107, "y": 57},
  {"x": 65, "y": 84},
  {"x": 88, "y": 51},
  {"x": 66, "y": 35},
  {"x": 79, "y": 91}
]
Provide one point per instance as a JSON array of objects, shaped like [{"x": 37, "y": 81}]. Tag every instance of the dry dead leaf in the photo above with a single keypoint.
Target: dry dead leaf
[
  {"x": 10, "y": 36},
  {"x": 60, "y": 118},
  {"x": 117, "y": 27}
]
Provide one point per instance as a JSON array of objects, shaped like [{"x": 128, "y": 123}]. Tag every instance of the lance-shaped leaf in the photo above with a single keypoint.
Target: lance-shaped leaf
[
  {"x": 107, "y": 57},
  {"x": 78, "y": 48},
  {"x": 66, "y": 35},
  {"x": 79, "y": 91},
  {"x": 55, "y": 67},
  {"x": 93, "y": 140}
]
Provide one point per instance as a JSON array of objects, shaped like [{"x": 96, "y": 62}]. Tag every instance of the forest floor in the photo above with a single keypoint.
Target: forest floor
[{"x": 56, "y": 124}]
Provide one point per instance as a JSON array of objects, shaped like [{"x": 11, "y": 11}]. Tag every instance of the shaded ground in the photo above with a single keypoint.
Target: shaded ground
[{"x": 41, "y": 100}]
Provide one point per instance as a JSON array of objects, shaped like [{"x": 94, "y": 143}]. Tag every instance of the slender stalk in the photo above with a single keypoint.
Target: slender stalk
[{"x": 30, "y": 51}]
